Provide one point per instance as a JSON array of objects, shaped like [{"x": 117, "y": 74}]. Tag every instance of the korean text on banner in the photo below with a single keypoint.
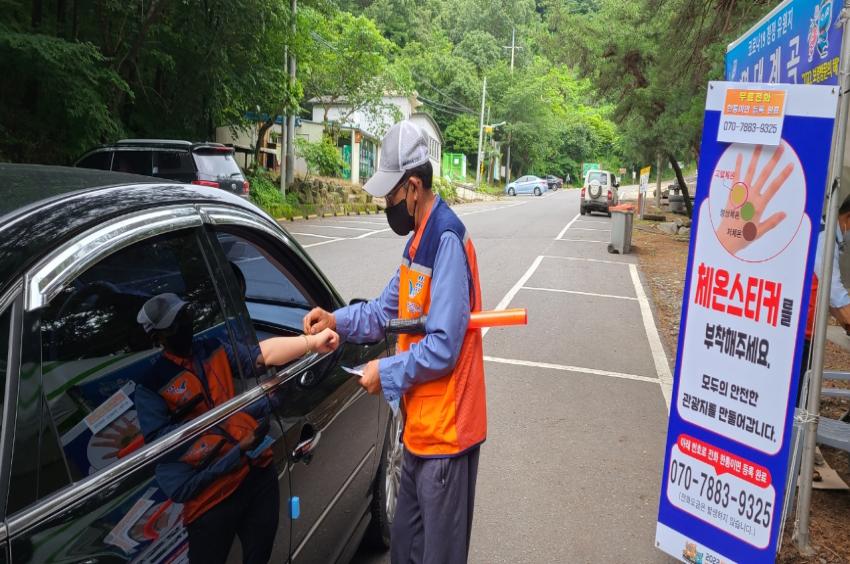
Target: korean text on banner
[
  {"x": 796, "y": 43},
  {"x": 744, "y": 309},
  {"x": 752, "y": 116}
]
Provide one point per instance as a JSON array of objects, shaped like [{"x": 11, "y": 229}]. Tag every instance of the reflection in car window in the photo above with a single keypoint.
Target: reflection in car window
[
  {"x": 99, "y": 352},
  {"x": 271, "y": 293}
]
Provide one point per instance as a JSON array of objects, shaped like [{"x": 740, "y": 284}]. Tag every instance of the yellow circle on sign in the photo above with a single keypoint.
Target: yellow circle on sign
[{"x": 739, "y": 194}]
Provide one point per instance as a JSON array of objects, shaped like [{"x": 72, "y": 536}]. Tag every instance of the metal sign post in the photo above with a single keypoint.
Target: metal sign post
[{"x": 812, "y": 411}]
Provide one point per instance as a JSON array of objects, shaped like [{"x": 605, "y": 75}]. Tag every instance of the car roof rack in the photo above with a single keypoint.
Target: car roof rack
[{"x": 158, "y": 142}]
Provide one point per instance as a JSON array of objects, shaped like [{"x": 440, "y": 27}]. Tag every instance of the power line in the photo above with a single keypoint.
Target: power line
[{"x": 443, "y": 107}]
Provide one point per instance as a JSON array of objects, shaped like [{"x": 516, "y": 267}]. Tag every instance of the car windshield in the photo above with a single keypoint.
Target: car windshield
[{"x": 218, "y": 164}]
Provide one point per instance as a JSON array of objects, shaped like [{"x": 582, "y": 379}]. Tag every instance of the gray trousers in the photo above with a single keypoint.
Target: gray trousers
[{"x": 433, "y": 519}]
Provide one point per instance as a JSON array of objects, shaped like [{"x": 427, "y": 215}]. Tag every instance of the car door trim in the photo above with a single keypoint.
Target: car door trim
[
  {"x": 62, "y": 499},
  {"x": 47, "y": 279},
  {"x": 11, "y": 299},
  {"x": 330, "y": 506}
]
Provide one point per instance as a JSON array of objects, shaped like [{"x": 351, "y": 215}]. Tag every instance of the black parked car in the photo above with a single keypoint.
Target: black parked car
[
  {"x": 554, "y": 182},
  {"x": 80, "y": 251},
  {"x": 205, "y": 164}
]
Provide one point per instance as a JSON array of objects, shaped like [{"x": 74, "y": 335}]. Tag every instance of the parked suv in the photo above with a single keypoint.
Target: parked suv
[
  {"x": 599, "y": 192},
  {"x": 205, "y": 164},
  {"x": 81, "y": 253}
]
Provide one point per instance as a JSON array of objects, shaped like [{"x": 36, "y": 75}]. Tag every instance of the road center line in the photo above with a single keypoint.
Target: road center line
[
  {"x": 513, "y": 291},
  {"x": 567, "y": 368},
  {"x": 567, "y": 226},
  {"x": 658, "y": 355},
  {"x": 591, "y": 294}
]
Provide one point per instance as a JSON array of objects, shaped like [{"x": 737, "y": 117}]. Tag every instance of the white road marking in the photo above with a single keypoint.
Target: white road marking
[
  {"x": 313, "y": 235},
  {"x": 371, "y": 233},
  {"x": 567, "y": 368},
  {"x": 658, "y": 355},
  {"x": 567, "y": 226},
  {"x": 590, "y": 229},
  {"x": 324, "y": 242},
  {"x": 591, "y": 294},
  {"x": 342, "y": 227},
  {"x": 496, "y": 208},
  {"x": 582, "y": 241},
  {"x": 583, "y": 259},
  {"x": 351, "y": 222},
  {"x": 513, "y": 291}
]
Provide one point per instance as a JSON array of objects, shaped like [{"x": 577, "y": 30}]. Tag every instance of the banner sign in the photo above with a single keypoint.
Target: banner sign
[
  {"x": 757, "y": 215},
  {"x": 587, "y": 167},
  {"x": 644, "y": 179},
  {"x": 796, "y": 43}
]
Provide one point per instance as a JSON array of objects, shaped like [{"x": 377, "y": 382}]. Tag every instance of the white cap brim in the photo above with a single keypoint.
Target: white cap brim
[{"x": 383, "y": 182}]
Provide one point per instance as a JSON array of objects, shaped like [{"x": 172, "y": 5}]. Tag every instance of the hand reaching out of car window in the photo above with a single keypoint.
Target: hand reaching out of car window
[
  {"x": 318, "y": 320},
  {"x": 749, "y": 197}
]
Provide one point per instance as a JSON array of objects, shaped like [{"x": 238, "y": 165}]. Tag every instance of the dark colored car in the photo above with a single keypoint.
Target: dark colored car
[
  {"x": 554, "y": 182},
  {"x": 80, "y": 252},
  {"x": 205, "y": 164}
]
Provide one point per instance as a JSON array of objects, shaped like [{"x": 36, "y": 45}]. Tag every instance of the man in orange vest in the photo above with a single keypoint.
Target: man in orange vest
[{"x": 438, "y": 378}]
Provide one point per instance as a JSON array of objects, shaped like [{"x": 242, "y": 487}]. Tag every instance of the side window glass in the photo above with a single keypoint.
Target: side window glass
[
  {"x": 135, "y": 162},
  {"x": 174, "y": 165},
  {"x": 133, "y": 348},
  {"x": 276, "y": 300},
  {"x": 101, "y": 160}
]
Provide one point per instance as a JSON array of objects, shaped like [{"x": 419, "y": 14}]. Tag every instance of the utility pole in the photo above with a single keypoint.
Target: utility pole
[
  {"x": 290, "y": 126},
  {"x": 658, "y": 182},
  {"x": 480, "y": 134},
  {"x": 513, "y": 49}
]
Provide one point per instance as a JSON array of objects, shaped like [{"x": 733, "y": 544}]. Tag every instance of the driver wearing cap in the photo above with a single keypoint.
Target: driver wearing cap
[{"x": 438, "y": 377}]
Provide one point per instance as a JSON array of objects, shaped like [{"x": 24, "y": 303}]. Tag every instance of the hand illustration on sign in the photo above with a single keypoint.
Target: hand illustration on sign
[
  {"x": 115, "y": 437},
  {"x": 742, "y": 222}
]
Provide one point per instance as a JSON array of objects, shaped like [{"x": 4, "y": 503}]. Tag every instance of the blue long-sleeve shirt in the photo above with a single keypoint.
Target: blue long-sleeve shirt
[
  {"x": 838, "y": 296},
  {"x": 448, "y": 318}
]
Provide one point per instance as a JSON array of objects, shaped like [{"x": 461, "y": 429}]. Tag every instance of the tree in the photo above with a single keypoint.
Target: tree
[
  {"x": 347, "y": 62},
  {"x": 461, "y": 136}
]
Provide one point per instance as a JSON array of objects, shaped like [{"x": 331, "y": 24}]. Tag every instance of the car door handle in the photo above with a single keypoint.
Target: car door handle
[{"x": 303, "y": 451}]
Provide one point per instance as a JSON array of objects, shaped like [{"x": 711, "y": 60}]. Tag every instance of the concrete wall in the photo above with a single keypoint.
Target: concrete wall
[{"x": 374, "y": 123}]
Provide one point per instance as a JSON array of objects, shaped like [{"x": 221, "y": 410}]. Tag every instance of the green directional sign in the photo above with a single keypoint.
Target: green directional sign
[{"x": 586, "y": 167}]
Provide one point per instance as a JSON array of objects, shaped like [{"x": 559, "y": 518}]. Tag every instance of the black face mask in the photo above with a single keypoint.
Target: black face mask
[
  {"x": 400, "y": 221},
  {"x": 179, "y": 342}
]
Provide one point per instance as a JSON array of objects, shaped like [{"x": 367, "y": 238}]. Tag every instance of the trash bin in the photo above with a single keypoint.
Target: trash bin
[{"x": 622, "y": 218}]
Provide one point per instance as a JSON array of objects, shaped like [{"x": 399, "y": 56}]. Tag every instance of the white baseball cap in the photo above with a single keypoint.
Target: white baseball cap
[
  {"x": 404, "y": 148},
  {"x": 160, "y": 311}
]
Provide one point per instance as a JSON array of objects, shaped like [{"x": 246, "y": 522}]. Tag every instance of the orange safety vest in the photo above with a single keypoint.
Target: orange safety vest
[
  {"x": 446, "y": 416},
  {"x": 183, "y": 388}
]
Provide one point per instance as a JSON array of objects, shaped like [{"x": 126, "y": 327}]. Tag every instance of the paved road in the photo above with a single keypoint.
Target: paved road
[{"x": 576, "y": 401}]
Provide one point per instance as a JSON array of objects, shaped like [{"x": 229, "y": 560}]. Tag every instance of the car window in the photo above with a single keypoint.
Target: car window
[
  {"x": 273, "y": 295},
  {"x": 113, "y": 377},
  {"x": 136, "y": 162},
  {"x": 213, "y": 165},
  {"x": 600, "y": 176},
  {"x": 174, "y": 165},
  {"x": 100, "y": 160}
]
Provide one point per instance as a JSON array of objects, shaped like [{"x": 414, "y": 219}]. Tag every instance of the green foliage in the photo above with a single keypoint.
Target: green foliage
[
  {"x": 265, "y": 192},
  {"x": 444, "y": 189},
  {"x": 322, "y": 157},
  {"x": 461, "y": 136}
]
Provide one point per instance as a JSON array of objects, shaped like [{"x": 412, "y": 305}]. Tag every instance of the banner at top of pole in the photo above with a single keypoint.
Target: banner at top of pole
[{"x": 796, "y": 43}]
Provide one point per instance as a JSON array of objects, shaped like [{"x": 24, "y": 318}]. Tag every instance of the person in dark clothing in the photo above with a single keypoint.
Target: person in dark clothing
[{"x": 225, "y": 478}]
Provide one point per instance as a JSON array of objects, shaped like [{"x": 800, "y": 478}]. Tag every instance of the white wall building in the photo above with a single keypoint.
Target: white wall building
[{"x": 435, "y": 138}]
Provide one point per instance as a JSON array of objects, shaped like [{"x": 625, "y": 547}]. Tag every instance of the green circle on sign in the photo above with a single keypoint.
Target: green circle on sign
[{"x": 748, "y": 211}]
